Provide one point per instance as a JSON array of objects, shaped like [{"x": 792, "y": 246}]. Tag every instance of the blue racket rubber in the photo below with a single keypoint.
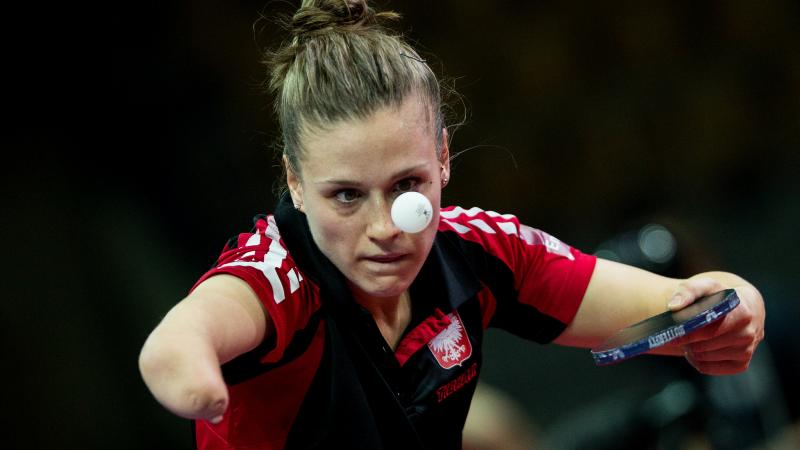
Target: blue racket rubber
[{"x": 665, "y": 327}]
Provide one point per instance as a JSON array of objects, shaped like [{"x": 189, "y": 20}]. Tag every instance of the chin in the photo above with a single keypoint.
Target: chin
[{"x": 389, "y": 288}]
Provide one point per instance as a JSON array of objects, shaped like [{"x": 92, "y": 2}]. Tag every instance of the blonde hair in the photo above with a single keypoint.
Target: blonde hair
[{"x": 341, "y": 64}]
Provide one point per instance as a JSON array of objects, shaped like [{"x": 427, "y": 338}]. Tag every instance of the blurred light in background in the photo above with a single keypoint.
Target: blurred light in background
[{"x": 652, "y": 247}]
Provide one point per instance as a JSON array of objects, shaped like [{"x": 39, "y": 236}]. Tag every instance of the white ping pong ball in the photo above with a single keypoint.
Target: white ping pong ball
[{"x": 412, "y": 212}]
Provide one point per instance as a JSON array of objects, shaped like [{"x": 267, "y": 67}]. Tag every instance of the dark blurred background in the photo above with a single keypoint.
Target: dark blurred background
[{"x": 139, "y": 141}]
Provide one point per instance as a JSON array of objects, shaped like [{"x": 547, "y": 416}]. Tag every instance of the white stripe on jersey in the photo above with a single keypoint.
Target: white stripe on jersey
[
  {"x": 294, "y": 282},
  {"x": 254, "y": 240},
  {"x": 269, "y": 272},
  {"x": 482, "y": 225},
  {"x": 472, "y": 212},
  {"x": 509, "y": 228},
  {"x": 530, "y": 236},
  {"x": 273, "y": 259},
  {"x": 272, "y": 229},
  {"x": 461, "y": 229}
]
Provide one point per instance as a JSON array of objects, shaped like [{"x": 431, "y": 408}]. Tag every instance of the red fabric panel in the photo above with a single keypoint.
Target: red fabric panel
[
  {"x": 421, "y": 335},
  {"x": 273, "y": 397},
  {"x": 488, "y": 306}
]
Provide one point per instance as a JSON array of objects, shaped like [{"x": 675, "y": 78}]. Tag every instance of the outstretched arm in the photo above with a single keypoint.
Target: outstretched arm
[
  {"x": 180, "y": 361},
  {"x": 620, "y": 295}
]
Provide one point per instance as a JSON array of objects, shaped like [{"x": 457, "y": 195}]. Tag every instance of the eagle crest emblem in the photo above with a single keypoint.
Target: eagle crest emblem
[{"x": 451, "y": 346}]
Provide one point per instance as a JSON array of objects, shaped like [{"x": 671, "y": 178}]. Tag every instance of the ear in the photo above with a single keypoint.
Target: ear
[
  {"x": 444, "y": 158},
  {"x": 295, "y": 186}
]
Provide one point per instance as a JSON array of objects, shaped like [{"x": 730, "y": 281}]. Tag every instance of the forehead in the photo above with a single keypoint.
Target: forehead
[{"x": 389, "y": 138}]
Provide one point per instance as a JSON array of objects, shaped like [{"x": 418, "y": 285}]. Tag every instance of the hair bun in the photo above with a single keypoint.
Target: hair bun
[{"x": 319, "y": 16}]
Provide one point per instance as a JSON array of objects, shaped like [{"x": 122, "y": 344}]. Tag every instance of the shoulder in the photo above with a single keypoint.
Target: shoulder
[
  {"x": 262, "y": 243},
  {"x": 261, "y": 257},
  {"x": 463, "y": 221},
  {"x": 485, "y": 237},
  {"x": 263, "y": 236},
  {"x": 497, "y": 231}
]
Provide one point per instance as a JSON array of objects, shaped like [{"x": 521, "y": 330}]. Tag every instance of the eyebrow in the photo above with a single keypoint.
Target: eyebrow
[{"x": 400, "y": 174}]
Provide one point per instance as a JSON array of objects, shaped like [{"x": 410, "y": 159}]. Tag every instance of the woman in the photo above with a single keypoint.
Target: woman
[{"x": 333, "y": 326}]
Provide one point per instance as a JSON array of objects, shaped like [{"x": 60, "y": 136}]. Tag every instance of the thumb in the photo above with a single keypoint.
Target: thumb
[
  {"x": 678, "y": 301},
  {"x": 690, "y": 290}
]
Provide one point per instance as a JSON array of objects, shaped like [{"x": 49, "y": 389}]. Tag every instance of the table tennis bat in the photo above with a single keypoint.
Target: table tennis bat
[{"x": 664, "y": 328}]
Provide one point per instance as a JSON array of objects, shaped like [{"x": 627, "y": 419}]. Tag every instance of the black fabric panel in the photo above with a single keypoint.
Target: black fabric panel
[
  {"x": 194, "y": 434},
  {"x": 248, "y": 365},
  {"x": 440, "y": 424},
  {"x": 348, "y": 404}
]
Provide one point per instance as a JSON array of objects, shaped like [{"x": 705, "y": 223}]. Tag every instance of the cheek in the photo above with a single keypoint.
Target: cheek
[
  {"x": 423, "y": 241},
  {"x": 430, "y": 235},
  {"x": 334, "y": 237}
]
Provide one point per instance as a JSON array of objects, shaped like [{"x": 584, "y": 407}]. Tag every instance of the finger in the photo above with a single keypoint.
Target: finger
[
  {"x": 710, "y": 331},
  {"x": 719, "y": 367},
  {"x": 740, "y": 353},
  {"x": 736, "y": 338},
  {"x": 690, "y": 290},
  {"x": 733, "y": 329}
]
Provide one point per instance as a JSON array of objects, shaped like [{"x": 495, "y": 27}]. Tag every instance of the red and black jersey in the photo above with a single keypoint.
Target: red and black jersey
[{"x": 326, "y": 378}]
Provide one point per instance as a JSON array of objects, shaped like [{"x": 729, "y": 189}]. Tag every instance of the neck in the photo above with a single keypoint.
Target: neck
[
  {"x": 385, "y": 309},
  {"x": 391, "y": 314}
]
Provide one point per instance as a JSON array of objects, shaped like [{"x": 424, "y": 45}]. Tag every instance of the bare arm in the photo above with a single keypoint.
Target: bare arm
[
  {"x": 620, "y": 295},
  {"x": 180, "y": 360}
]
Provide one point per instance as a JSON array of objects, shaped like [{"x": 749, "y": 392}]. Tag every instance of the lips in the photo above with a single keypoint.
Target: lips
[{"x": 386, "y": 258}]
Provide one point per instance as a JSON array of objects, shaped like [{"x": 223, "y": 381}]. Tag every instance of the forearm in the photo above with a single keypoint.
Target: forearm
[
  {"x": 182, "y": 371},
  {"x": 180, "y": 361},
  {"x": 617, "y": 296}
]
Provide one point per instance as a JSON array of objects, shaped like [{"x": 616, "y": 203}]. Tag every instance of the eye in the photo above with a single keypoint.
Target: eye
[
  {"x": 406, "y": 184},
  {"x": 347, "y": 196}
]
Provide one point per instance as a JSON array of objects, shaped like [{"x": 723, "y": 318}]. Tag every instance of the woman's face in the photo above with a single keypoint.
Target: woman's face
[{"x": 351, "y": 173}]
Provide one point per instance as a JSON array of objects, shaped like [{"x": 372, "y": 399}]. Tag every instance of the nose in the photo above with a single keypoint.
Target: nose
[{"x": 380, "y": 226}]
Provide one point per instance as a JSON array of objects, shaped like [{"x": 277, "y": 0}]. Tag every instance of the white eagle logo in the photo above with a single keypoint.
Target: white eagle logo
[{"x": 451, "y": 346}]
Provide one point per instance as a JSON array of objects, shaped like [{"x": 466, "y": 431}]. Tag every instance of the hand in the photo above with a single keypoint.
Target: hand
[{"x": 726, "y": 346}]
